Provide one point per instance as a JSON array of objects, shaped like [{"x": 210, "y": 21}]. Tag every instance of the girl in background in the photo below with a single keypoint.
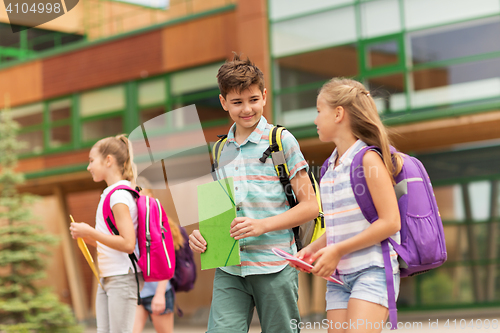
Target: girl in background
[
  {"x": 157, "y": 298},
  {"x": 111, "y": 160}
]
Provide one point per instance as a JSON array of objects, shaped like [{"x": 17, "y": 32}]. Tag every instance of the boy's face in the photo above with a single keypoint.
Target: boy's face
[{"x": 245, "y": 108}]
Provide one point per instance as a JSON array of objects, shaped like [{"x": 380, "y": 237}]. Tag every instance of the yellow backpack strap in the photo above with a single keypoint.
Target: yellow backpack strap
[
  {"x": 216, "y": 151},
  {"x": 275, "y": 150},
  {"x": 319, "y": 227}
]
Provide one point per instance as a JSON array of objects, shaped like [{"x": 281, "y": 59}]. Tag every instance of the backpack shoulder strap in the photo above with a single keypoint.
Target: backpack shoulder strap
[
  {"x": 360, "y": 187},
  {"x": 323, "y": 169},
  {"x": 275, "y": 150},
  {"x": 365, "y": 202},
  {"x": 217, "y": 150},
  {"x": 109, "y": 218}
]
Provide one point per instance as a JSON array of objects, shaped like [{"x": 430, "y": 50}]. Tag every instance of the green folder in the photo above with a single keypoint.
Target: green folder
[{"x": 216, "y": 211}]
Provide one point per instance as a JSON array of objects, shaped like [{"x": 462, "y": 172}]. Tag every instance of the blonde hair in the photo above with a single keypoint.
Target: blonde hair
[
  {"x": 121, "y": 149},
  {"x": 177, "y": 237},
  {"x": 365, "y": 120}
]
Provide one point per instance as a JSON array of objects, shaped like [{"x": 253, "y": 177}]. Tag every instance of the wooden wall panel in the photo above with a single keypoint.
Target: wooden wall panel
[
  {"x": 443, "y": 133},
  {"x": 40, "y": 163},
  {"x": 198, "y": 42},
  {"x": 21, "y": 84},
  {"x": 66, "y": 159},
  {"x": 102, "y": 65},
  {"x": 31, "y": 164},
  {"x": 83, "y": 206},
  {"x": 46, "y": 212},
  {"x": 253, "y": 40}
]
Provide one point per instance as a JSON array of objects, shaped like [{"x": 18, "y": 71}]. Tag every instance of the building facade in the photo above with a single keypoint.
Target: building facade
[{"x": 433, "y": 68}]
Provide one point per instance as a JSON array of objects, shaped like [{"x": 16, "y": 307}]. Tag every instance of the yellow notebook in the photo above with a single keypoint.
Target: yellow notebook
[{"x": 86, "y": 253}]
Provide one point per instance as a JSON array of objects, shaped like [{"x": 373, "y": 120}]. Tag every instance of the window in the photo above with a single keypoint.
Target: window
[
  {"x": 380, "y": 18},
  {"x": 456, "y": 83},
  {"x": 30, "y": 118},
  {"x": 152, "y": 101},
  {"x": 101, "y": 113},
  {"x": 162, "y": 4},
  {"x": 285, "y": 8},
  {"x": 7, "y": 37},
  {"x": 418, "y": 13},
  {"x": 480, "y": 202},
  {"x": 299, "y": 77},
  {"x": 98, "y": 129},
  {"x": 196, "y": 86},
  {"x": 388, "y": 92},
  {"x": 207, "y": 105},
  {"x": 26, "y": 42},
  {"x": 455, "y": 41},
  {"x": 321, "y": 30},
  {"x": 382, "y": 54},
  {"x": 450, "y": 202},
  {"x": 60, "y": 123}
]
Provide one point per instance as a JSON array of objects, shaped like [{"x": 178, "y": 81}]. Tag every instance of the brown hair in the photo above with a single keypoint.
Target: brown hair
[
  {"x": 174, "y": 227},
  {"x": 121, "y": 149},
  {"x": 239, "y": 75},
  {"x": 365, "y": 120}
]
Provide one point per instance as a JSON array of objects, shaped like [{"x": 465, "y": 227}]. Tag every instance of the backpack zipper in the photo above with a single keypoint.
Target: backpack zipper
[
  {"x": 148, "y": 237},
  {"x": 163, "y": 235}
]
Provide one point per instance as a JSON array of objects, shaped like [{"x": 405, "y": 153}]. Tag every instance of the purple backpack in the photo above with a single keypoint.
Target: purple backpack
[
  {"x": 185, "y": 268},
  {"x": 422, "y": 237},
  {"x": 156, "y": 246}
]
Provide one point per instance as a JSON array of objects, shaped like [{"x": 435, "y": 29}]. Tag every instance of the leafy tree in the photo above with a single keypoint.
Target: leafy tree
[{"x": 24, "y": 307}]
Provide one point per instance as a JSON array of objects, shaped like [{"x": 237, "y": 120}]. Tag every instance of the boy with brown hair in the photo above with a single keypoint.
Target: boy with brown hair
[{"x": 264, "y": 218}]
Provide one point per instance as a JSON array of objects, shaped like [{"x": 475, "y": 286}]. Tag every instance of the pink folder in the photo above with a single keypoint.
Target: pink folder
[{"x": 302, "y": 264}]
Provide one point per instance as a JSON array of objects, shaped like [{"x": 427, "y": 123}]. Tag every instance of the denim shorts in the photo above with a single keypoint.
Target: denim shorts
[
  {"x": 368, "y": 284},
  {"x": 169, "y": 302}
]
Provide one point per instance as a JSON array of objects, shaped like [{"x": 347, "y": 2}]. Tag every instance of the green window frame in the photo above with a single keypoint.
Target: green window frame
[
  {"x": 129, "y": 113},
  {"x": 28, "y": 48},
  {"x": 51, "y": 125},
  {"x": 412, "y": 106}
]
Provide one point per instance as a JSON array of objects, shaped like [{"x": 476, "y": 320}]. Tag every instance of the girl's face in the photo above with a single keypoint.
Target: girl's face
[
  {"x": 326, "y": 120},
  {"x": 97, "y": 166}
]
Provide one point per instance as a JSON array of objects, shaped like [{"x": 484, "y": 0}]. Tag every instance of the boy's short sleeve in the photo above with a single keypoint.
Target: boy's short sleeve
[{"x": 293, "y": 156}]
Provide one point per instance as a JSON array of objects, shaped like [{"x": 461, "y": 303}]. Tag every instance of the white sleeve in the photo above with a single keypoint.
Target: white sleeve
[{"x": 124, "y": 197}]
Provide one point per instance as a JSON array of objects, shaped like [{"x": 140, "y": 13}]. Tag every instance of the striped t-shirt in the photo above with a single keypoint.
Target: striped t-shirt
[
  {"x": 343, "y": 216},
  {"x": 258, "y": 194}
]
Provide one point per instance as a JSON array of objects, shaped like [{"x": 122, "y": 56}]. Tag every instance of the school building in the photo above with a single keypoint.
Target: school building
[{"x": 105, "y": 67}]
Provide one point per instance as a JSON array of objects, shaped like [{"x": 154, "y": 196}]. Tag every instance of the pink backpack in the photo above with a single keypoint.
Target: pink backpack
[{"x": 156, "y": 246}]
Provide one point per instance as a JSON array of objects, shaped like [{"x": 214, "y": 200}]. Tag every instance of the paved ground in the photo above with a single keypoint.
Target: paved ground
[{"x": 459, "y": 321}]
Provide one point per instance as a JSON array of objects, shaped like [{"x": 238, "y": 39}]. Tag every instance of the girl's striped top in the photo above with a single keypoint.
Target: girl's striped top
[{"x": 343, "y": 216}]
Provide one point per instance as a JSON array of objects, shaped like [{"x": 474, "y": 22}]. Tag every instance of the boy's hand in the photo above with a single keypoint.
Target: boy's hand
[
  {"x": 327, "y": 260},
  {"x": 243, "y": 227},
  {"x": 196, "y": 242},
  {"x": 80, "y": 229}
]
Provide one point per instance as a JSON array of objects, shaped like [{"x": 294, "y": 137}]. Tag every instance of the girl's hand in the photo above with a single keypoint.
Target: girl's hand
[
  {"x": 327, "y": 260},
  {"x": 81, "y": 229},
  {"x": 243, "y": 227},
  {"x": 304, "y": 254},
  {"x": 158, "y": 304},
  {"x": 196, "y": 242}
]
